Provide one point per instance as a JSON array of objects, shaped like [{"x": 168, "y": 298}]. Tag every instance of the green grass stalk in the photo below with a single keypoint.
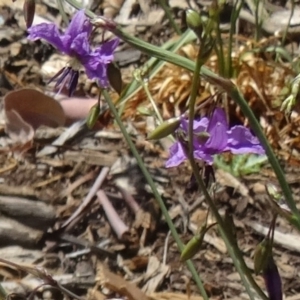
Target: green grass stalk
[
  {"x": 231, "y": 244},
  {"x": 156, "y": 194},
  {"x": 61, "y": 9},
  {"x": 167, "y": 10}
]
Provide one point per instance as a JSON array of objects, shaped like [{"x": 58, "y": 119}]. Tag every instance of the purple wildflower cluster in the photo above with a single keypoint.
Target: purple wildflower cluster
[
  {"x": 213, "y": 136},
  {"x": 75, "y": 42}
]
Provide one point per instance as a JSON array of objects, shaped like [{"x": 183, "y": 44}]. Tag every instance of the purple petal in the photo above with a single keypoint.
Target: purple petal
[
  {"x": 241, "y": 141},
  {"x": 96, "y": 62},
  {"x": 202, "y": 155},
  {"x": 96, "y": 70},
  {"x": 198, "y": 125},
  {"x": 106, "y": 50},
  {"x": 177, "y": 156},
  {"x": 81, "y": 46},
  {"x": 218, "y": 139},
  {"x": 218, "y": 116},
  {"x": 79, "y": 24},
  {"x": 48, "y": 32}
]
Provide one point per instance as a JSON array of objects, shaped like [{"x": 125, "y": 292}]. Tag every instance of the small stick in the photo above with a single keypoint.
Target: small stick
[
  {"x": 116, "y": 223},
  {"x": 129, "y": 200},
  {"x": 77, "y": 183},
  {"x": 97, "y": 184}
]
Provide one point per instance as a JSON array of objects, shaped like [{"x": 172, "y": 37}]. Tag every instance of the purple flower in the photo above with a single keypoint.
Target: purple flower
[
  {"x": 212, "y": 136},
  {"x": 272, "y": 280},
  {"x": 75, "y": 43}
]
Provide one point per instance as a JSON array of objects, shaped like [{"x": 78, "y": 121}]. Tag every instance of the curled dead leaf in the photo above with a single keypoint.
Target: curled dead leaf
[
  {"x": 18, "y": 130},
  {"x": 26, "y": 110},
  {"x": 35, "y": 108}
]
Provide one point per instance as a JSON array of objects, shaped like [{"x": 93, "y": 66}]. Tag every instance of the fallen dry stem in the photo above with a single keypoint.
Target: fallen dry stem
[
  {"x": 116, "y": 223},
  {"x": 86, "y": 202},
  {"x": 129, "y": 200}
]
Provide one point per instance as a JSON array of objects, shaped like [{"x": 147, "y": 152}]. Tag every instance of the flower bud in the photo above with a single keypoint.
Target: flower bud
[
  {"x": 261, "y": 255},
  {"x": 277, "y": 203},
  {"x": 29, "y": 10},
  {"x": 104, "y": 23},
  {"x": 272, "y": 280},
  {"x": 194, "y": 21},
  {"x": 192, "y": 247},
  {"x": 195, "y": 243},
  {"x": 145, "y": 111},
  {"x": 164, "y": 129},
  {"x": 114, "y": 77},
  {"x": 93, "y": 116},
  {"x": 272, "y": 190}
]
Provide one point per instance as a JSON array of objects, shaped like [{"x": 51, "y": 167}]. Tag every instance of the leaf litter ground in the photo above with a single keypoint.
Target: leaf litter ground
[{"x": 50, "y": 219}]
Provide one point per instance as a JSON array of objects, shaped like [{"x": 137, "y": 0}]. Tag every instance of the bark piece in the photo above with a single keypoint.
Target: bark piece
[{"x": 31, "y": 213}]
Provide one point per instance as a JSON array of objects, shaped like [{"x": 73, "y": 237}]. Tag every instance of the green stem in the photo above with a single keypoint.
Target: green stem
[
  {"x": 235, "y": 14},
  {"x": 257, "y": 21},
  {"x": 167, "y": 10},
  {"x": 3, "y": 293},
  {"x": 226, "y": 234},
  {"x": 144, "y": 83},
  {"x": 230, "y": 243},
  {"x": 155, "y": 192},
  {"x": 219, "y": 45},
  {"x": 284, "y": 36},
  {"x": 62, "y": 11},
  {"x": 240, "y": 100}
]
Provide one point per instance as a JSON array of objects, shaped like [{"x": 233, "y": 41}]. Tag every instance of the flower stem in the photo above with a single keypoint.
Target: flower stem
[
  {"x": 167, "y": 10},
  {"x": 62, "y": 11},
  {"x": 155, "y": 192},
  {"x": 231, "y": 244},
  {"x": 144, "y": 83},
  {"x": 233, "y": 19}
]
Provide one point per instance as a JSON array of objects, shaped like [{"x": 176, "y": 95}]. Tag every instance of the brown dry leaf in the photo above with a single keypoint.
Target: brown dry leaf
[
  {"x": 34, "y": 108},
  {"x": 118, "y": 284},
  {"x": 20, "y": 132}
]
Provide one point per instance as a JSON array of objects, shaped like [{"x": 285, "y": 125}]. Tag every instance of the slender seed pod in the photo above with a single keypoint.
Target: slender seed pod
[
  {"x": 114, "y": 77},
  {"x": 261, "y": 255},
  {"x": 192, "y": 247},
  {"x": 195, "y": 243},
  {"x": 29, "y": 10},
  {"x": 164, "y": 129},
  {"x": 93, "y": 116}
]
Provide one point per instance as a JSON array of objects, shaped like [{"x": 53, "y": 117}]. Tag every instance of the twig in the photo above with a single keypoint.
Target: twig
[
  {"x": 87, "y": 177},
  {"x": 116, "y": 223},
  {"x": 129, "y": 200},
  {"x": 86, "y": 202}
]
